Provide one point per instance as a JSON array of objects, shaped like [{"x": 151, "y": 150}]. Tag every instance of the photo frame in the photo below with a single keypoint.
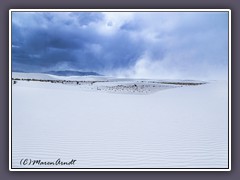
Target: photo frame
[{"x": 124, "y": 169}]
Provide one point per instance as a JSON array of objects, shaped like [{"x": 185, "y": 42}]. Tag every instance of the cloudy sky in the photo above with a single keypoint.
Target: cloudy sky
[{"x": 192, "y": 45}]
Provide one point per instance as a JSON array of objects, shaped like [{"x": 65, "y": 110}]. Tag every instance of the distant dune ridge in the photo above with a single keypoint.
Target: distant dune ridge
[
  {"x": 72, "y": 73},
  {"x": 106, "y": 84}
]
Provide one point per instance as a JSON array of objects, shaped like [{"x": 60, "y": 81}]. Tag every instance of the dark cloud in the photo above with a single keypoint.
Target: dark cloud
[{"x": 77, "y": 47}]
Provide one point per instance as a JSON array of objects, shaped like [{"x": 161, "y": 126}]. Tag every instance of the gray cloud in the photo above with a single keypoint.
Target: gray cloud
[{"x": 136, "y": 44}]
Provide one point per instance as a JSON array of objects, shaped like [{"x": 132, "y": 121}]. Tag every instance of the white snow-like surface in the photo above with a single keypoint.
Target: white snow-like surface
[
  {"x": 185, "y": 127},
  {"x": 55, "y": 77}
]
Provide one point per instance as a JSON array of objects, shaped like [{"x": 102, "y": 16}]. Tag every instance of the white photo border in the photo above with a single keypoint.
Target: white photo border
[{"x": 120, "y": 169}]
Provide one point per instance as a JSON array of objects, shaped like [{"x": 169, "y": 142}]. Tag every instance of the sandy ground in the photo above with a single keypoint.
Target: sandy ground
[{"x": 173, "y": 127}]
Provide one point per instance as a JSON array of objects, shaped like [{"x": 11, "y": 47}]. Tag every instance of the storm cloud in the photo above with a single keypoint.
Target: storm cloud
[{"x": 126, "y": 44}]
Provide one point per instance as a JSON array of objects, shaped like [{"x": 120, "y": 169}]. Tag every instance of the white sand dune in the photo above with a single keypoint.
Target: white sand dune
[
  {"x": 44, "y": 76},
  {"x": 183, "y": 127}
]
